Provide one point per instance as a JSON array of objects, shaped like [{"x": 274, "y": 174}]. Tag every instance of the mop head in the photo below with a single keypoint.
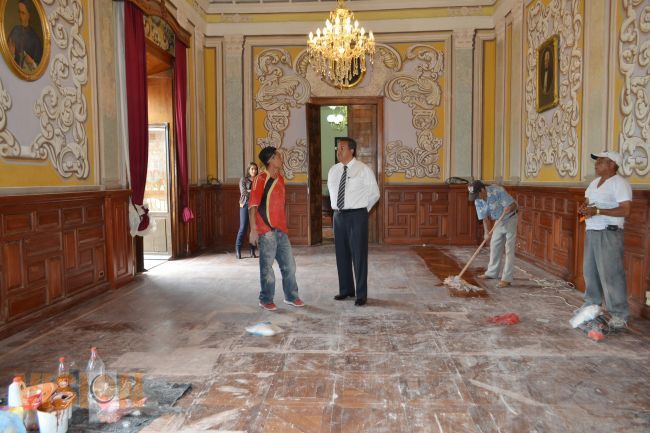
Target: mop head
[{"x": 460, "y": 288}]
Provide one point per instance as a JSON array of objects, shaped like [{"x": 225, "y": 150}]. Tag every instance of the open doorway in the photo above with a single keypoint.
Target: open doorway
[
  {"x": 360, "y": 118},
  {"x": 157, "y": 244},
  {"x": 334, "y": 125}
]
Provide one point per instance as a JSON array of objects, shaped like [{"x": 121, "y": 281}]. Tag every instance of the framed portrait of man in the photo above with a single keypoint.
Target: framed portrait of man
[
  {"x": 24, "y": 37},
  {"x": 548, "y": 92}
]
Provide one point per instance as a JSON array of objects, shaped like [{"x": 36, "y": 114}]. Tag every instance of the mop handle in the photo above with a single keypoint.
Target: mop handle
[{"x": 480, "y": 246}]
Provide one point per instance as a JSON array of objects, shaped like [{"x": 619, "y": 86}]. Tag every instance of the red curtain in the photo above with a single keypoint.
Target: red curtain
[
  {"x": 180, "y": 102},
  {"x": 136, "y": 96}
]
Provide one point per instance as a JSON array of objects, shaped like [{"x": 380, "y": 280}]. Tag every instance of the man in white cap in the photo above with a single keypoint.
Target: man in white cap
[{"x": 608, "y": 200}]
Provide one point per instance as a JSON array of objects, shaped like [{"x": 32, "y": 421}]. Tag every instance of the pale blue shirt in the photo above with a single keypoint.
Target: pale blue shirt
[{"x": 497, "y": 200}]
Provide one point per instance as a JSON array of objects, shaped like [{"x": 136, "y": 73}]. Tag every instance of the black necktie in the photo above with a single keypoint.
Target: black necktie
[{"x": 340, "y": 199}]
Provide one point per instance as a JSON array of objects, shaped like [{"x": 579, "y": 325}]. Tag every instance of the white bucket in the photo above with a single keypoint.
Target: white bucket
[{"x": 54, "y": 422}]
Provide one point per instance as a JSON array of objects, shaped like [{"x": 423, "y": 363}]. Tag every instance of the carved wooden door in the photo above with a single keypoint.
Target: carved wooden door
[
  {"x": 314, "y": 183},
  {"x": 362, "y": 127}
]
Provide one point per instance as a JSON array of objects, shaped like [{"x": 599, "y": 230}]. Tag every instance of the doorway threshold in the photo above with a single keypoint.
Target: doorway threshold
[{"x": 153, "y": 260}]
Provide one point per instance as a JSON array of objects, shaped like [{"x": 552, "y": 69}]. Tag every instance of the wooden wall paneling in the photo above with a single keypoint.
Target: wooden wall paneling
[
  {"x": 297, "y": 208},
  {"x": 228, "y": 218},
  {"x": 13, "y": 254},
  {"x": 637, "y": 252},
  {"x": 435, "y": 214},
  {"x": 193, "y": 225},
  {"x": 54, "y": 277},
  {"x": 210, "y": 213},
  {"x": 120, "y": 260},
  {"x": 57, "y": 249},
  {"x": 3, "y": 287}
]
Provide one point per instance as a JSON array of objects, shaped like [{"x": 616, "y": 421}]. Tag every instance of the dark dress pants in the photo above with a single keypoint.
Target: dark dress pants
[{"x": 351, "y": 241}]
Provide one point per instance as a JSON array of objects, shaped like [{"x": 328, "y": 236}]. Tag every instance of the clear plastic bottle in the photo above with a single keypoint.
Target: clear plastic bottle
[
  {"x": 31, "y": 418},
  {"x": 94, "y": 368},
  {"x": 62, "y": 376}
]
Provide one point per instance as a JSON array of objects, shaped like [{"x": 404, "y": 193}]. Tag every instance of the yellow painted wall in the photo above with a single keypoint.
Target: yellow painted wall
[
  {"x": 191, "y": 104},
  {"x": 35, "y": 173},
  {"x": 210, "y": 67},
  {"x": 508, "y": 103},
  {"x": 489, "y": 107}
]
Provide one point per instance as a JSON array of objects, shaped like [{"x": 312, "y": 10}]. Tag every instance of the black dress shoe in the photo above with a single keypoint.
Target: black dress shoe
[
  {"x": 341, "y": 297},
  {"x": 360, "y": 302}
]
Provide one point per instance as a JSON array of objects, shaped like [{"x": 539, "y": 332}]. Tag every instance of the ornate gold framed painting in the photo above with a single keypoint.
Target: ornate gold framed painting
[
  {"x": 24, "y": 37},
  {"x": 548, "y": 92}
]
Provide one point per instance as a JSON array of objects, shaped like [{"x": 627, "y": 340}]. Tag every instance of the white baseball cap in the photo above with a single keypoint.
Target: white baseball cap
[{"x": 614, "y": 156}]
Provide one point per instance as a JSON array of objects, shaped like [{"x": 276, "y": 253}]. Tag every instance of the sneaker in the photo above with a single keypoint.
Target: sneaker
[
  {"x": 296, "y": 302},
  {"x": 501, "y": 284},
  {"x": 616, "y": 324},
  {"x": 270, "y": 306}
]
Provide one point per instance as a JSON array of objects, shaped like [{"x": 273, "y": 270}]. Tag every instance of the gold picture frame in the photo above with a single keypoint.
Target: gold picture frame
[
  {"x": 548, "y": 89},
  {"x": 25, "y": 37}
]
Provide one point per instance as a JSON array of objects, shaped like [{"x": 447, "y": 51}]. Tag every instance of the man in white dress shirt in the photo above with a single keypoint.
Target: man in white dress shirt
[
  {"x": 353, "y": 192},
  {"x": 608, "y": 200}
]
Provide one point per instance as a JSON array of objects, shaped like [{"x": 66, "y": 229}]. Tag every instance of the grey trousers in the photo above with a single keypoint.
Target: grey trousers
[
  {"x": 604, "y": 271},
  {"x": 504, "y": 234}
]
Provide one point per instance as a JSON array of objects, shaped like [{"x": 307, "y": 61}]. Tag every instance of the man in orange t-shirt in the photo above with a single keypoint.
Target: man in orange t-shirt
[{"x": 268, "y": 224}]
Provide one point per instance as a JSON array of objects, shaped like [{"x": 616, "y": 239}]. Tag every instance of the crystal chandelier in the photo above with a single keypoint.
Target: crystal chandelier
[{"x": 339, "y": 51}]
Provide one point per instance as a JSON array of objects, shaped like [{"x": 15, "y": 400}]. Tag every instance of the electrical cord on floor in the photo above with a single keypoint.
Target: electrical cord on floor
[{"x": 546, "y": 284}]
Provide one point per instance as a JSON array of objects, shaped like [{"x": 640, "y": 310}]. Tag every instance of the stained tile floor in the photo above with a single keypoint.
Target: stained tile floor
[{"x": 412, "y": 360}]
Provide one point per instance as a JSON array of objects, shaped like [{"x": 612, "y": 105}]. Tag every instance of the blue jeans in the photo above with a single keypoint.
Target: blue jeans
[
  {"x": 604, "y": 271},
  {"x": 243, "y": 224},
  {"x": 275, "y": 245}
]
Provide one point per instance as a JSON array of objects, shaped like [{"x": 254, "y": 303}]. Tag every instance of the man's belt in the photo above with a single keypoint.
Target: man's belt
[{"x": 350, "y": 210}]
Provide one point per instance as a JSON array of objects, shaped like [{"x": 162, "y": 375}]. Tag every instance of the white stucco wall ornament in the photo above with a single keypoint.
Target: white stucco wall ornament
[
  {"x": 421, "y": 91},
  {"x": 280, "y": 90},
  {"x": 634, "y": 100},
  {"x": 387, "y": 61},
  {"x": 61, "y": 107},
  {"x": 552, "y": 136}
]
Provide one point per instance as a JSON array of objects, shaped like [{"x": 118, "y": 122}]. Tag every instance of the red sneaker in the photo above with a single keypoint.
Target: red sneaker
[
  {"x": 296, "y": 302},
  {"x": 270, "y": 306}
]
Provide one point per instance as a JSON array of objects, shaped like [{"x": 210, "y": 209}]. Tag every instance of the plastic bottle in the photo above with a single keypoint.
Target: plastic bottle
[
  {"x": 15, "y": 392},
  {"x": 62, "y": 376},
  {"x": 94, "y": 368},
  {"x": 31, "y": 418}
]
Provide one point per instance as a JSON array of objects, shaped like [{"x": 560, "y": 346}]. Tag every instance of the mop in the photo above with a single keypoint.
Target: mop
[{"x": 460, "y": 288}]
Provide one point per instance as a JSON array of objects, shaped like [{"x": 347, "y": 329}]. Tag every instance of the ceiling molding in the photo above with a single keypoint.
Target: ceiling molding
[
  {"x": 381, "y": 27},
  {"x": 291, "y": 6}
]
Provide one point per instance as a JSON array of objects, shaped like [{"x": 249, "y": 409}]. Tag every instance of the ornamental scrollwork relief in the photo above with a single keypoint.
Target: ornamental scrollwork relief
[
  {"x": 278, "y": 93},
  {"x": 552, "y": 136},
  {"x": 423, "y": 94},
  {"x": 633, "y": 63},
  {"x": 61, "y": 107},
  {"x": 387, "y": 61},
  {"x": 9, "y": 147}
]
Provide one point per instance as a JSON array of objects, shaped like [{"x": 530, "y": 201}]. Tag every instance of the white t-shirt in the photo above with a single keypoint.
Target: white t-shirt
[{"x": 613, "y": 191}]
